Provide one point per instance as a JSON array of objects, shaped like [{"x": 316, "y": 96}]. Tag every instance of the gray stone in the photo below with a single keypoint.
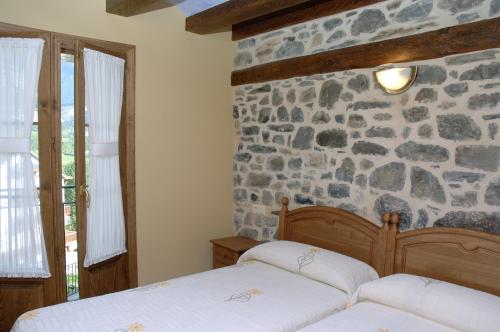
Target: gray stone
[
  {"x": 356, "y": 121},
  {"x": 406, "y": 132},
  {"x": 366, "y": 164},
  {"x": 292, "y": 185},
  {"x": 456, "y": 6},
  {"x": 308, "y": 95},
  {"x": 295, "y": 164},
  {"x": 327, "y": 176},
  {"x": 346, "y": 171},
  {"x": 290, "y": 96},
  {"x": 369, "y": 148},
  {"x": 426, "y": 186},
  {"x": 347, "y": 96},
  {"x": 416, "y": 11},
  {"x": 330, "y": 93},
  {"x": 331, "y": 24},
  {"x": 264, "y": 101},
  {"x": 491, "y": 117},
  {"x": 249, "y": 131},
  {"x": 369, "y": 21},
  {"x": 279, "y": 139},
  {"x": 243, "y": 59},
  {"x": 337, "y": 35},
  {"x": 285, "y": 128},
  {"x": 246, "y": 43},
  {"x": 425, "y": 131},
  {"x": 275, "y": 163},
  {"x": 366, "y": 105},
  {"x": 466, "y": 18},
  {"x": 249, "y": 233},
  {"x": 482, "y": 72},
  {"x": 474, "y": 57},
  {"x": 359, "y": 83},
  {"x": 240, "y": 195},
  {"x": 416, "y": 114},
  {"x": 458, "y": 127},
  {"x": 304, "y": 138},
  {"x": 321, "y": 118},
  {"x": 492, "y": 131},
  {"x": 361, "y": 180},
  {"x": 297, "y": 115},
  {"x": 355, "y": 134},
  {"x": 484, "y": 100},
  {"x": 495, "y": 7},
  {"x": 291, "y": 48},
  {"x": 423, "y": 219},
  {"x": 388, "y": 177},
  {"x": 264, "y": 114},
  {"x": 261, "y": 148},
  {"x": 422, "y": 152},
  {"x": 243, "y": 157},
  {"x": 492, "y": 195},
  {"x": 283, "y": 114},
  {"x": 382, "y": 117},
  {"x": 456, "y": 89},
  {"x": 384, "y": 132},
  {"x": 303, "y": 200},
  {"x": 431, "y": 75},
  {"x": 277, "y": 97},
  {"x": 467, "y": 200},
  {"x": 336, "y": 190},
  {"x": 236, "y": 113},
  {"x": 482, "y": 157},
  {"x": 262, "y": 89},
  {"x": 340, "y": 118},
  {"x": 426, "y": 95},
  {"x": 480, "y": 221},
  {"x": 389, "y": 203},
  {"x": 456, "y": 176},
  {"x": 332, "y": 138},
  {"x": 260, "y": 180},
  {"x": 348, "y": 207}
]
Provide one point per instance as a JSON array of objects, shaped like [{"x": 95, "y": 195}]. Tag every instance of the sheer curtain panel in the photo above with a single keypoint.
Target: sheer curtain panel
[
  {"x": 22, "y": 246},
  {"x": 103, "y": 99}
]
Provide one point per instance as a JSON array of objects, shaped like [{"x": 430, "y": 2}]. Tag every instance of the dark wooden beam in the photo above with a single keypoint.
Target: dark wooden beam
[
  {"x": 129, "y": 8},
  {"x": 430, "y": 45},
  {"x": 222, "y": 17},
  {"x": 297, "y": 14}
]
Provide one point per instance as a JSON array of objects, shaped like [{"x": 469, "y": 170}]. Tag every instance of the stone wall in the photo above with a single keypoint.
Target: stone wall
[
  {"x": 386, "y": 20},
  {"x": 432, "y": 153}
]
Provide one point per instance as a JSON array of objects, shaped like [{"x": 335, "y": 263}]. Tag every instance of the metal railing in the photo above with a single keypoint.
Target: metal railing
[{"x": 72, "y": 280}]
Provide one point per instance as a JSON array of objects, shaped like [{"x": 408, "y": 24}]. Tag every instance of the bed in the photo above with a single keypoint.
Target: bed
[
  {"x": 446, "y": 279},
  {"x": 279, "y": 286}
]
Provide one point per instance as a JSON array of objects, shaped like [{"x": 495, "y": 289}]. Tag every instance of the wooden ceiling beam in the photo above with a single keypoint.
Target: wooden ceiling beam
[
  {"x": 222, "y": 17},
  {"x": 464, "y": 38},
  {"x": 308, "y": 11},
  {"x": 129, "y": 8}
]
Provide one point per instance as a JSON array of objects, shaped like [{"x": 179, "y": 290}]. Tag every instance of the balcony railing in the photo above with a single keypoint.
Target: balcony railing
[{"x": 72, "y": 281}]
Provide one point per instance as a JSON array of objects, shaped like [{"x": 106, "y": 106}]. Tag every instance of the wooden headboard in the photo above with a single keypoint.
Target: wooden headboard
[
  {"x": 343, "y": 232},
  {"x": 464, "y": 257}
]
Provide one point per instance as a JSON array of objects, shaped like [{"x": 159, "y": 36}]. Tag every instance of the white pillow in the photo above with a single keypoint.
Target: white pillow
[
  {"x": 458, "y": 307},
  {"x": 334, "y": 269}
]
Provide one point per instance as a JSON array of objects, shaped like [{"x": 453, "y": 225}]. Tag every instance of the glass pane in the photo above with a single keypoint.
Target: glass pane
[{"x": 68, "y": 176}]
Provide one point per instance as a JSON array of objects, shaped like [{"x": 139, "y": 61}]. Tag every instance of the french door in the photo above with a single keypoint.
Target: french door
[{"x": 61, "y": 142}]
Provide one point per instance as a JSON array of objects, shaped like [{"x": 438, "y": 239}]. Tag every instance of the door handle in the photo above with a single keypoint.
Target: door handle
[{"x": 85, "y": 193}]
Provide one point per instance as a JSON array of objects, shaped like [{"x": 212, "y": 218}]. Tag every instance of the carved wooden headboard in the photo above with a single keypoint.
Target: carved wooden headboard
[
  {"x": 465, "y": 257},
  {"x": 343, "y": 232}
]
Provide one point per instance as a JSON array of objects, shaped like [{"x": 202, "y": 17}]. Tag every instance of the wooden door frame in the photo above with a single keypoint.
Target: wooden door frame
[{"x": 49, "y": 107}]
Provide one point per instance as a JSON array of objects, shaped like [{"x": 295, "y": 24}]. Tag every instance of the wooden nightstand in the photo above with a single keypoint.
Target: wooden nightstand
[{"x": 228, "y": 250}]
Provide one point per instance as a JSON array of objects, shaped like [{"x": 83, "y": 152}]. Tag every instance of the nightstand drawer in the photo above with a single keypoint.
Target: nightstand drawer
[{"x": 225, "y": 256}]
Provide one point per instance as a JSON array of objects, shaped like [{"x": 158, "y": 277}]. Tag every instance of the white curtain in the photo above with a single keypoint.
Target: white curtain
[
  {"x": 103, "y": 99},
  {"x": 22, "y": 246}
]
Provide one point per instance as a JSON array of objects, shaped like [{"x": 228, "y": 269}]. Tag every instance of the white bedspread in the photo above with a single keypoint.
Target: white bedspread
[
  {"x": 373, "y": 317},
  {"x": 253, "y": 296}
]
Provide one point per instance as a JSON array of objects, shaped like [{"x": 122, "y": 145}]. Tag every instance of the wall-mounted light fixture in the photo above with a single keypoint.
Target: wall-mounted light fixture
[{"x": 396, "y": 80}]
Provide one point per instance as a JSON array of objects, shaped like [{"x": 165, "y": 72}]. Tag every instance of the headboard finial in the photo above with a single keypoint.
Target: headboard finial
[
  {"x": 284, "y": 201},
  {"x": 395, "y": 218},
  {"x": 283, "y": 213},
  {"x": 386, "y": 218}
]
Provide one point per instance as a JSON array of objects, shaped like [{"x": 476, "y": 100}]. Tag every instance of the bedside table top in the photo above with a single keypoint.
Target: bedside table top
[{"x": 236, "y": 243}]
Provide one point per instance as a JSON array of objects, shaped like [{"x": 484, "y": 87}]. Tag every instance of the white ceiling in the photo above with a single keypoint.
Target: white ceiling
[{"x": 191, "y": 7}]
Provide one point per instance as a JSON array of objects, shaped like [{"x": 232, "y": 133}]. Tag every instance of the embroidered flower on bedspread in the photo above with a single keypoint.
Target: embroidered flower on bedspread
[
  {"x": 384, "y": 330},
  {"x": 245, "y": 296},
  {"x": 307, "y": 257},
  {"x": 134, "y": 327},
  {"x": 150, "y": 287},
  {"x": 29, "y": 315},
  {"x": 428, "y": 281}
]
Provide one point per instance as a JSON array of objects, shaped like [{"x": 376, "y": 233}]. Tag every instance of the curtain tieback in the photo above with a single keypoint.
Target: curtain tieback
[
  {"x": 104, "y": 149},
  {"x": 15, "y": 145}
]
